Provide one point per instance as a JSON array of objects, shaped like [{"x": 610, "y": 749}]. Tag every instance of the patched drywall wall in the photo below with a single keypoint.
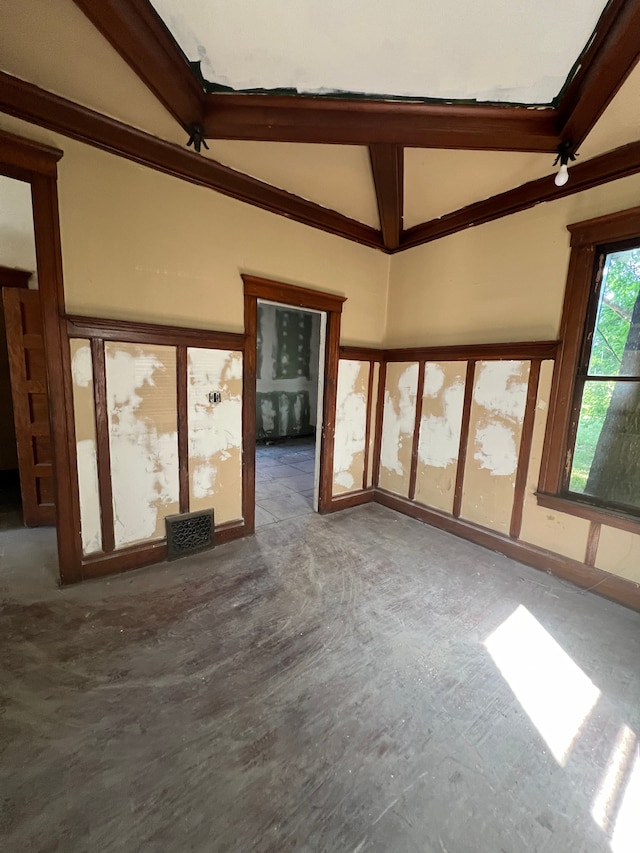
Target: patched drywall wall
[
  {"x": 398, "y": 427},
  {"x": 440, "y": 426},
  {"x": 287, "y": 366},
  {"x": 351, "y": 426},
  {"x": 85, "y": 428},
  {"x": 142, "y": 410},
  {"x": 495, "y": 427},
  {"x": 556, "y": 531},
  {"x": 215, "y": 432}
]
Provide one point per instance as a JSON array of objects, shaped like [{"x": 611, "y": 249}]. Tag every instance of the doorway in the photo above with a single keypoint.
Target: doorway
[
  {"x": 316, "y": 457},
  {"x": 289, "y": 363}
]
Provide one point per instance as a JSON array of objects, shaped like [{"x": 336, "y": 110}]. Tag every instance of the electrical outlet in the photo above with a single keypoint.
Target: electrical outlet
[{"x": 215, "y": 397}]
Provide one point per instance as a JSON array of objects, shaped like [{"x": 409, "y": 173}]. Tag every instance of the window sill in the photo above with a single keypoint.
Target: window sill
[{"x": 592, "y": 513}]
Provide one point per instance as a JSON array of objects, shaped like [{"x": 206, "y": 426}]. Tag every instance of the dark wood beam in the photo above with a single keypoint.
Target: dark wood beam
[
  {"x": 619, "y": 163},
  {"x": 387, "y": 165},
  {"x": 29, "y": 102},
  {"x": 281, "y": 118},
  {"x": 143, "y": 41},
  {"x": 612, "y": 54}
]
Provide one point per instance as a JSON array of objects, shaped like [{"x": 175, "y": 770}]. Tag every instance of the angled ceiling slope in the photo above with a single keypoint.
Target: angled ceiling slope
[{"x": 584, "y": 82}]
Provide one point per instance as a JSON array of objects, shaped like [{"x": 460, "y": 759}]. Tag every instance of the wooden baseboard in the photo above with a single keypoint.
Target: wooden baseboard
[
  {"x": 589, "y": 578},
  {"x": 350, "y": 499},
  {"x": 139, "y": 556}
]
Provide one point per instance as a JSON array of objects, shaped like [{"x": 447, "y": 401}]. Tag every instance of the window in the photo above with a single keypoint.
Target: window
[{"x": 591, "y": 465}]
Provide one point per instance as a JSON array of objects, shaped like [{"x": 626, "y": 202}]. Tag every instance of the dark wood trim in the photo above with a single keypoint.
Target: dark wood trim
[
  {"x": 290, "y": 294},
  {"x": 281, "y": 118},
  {"x": 377, "y": 443},
  {"x": 28, "y": 156},
  {"x": 182, "y": 388},
  {"x": 145, "y": 44},
  {"x": 44, "y": 194},
  {"x": 416, "y": 432},
  {"x": 588, "y": 578},
  {"x": 586, "y": 236},
  {"x": 464, "y": 437},
  {"x": 332, "y": 357},
  {"x": 622, "y": 225},
  {"x": 103, "y": 444},
  {"x": 300, "y": 297},
  {"x": 516, "y": 351},
  {"x": 524, "y": 454},
  {"x": 351, "y": 499},
  {"x": 610, "y": 57},
  {"x": 230, "y": 531},
  {"x": 387, "y": 166},
  {"x": 124, "y": 560},
  {"x": 361, "y": 354},
  {"x": 131, "y": 331},
  {"x": 30, "y": 103},
  {"x": 11, "y": 277},
  {"x": 593, "y": 541},
  {"x": 560, "y": 503},
  {"x": 249, "y": 370},
  {"x": 619, "y": 163},
  {"x": 367, "y": 426}
]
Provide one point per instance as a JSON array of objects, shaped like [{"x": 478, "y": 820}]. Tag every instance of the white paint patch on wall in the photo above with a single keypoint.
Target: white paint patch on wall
[
  {"x": 351, "y": 423},
  {"x": 144, "y": 458},
  {"x": 496, "y": 449},
  {"x": 215, "y": 429},
  {"x": 90, "y": 520},
  {"x": 82, "y": 367},
  {"x": 439, "y": 440},
  {"x": 399, "y": 418},
  {"x": 501, "y": 393},
  {"x": 433, "y": 379}
]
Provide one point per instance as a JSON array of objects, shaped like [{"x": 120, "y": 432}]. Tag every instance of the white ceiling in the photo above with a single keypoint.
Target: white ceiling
[{"x": 517, "y": 51}]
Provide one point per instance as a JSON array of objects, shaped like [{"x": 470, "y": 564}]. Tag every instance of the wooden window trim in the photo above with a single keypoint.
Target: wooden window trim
[{"x": 586, "y": 239}]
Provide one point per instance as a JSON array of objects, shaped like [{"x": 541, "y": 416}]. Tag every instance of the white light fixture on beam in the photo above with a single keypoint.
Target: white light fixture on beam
[{"x": 565, "y": 153}]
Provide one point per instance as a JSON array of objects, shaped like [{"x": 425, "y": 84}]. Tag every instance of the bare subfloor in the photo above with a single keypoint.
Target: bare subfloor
[{"x": 356, "y": 682}]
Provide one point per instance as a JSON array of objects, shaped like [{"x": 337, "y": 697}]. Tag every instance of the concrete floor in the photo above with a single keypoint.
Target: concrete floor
[
  {"x": 284, "y": 479},
  {"x": 355, "y": 683}
]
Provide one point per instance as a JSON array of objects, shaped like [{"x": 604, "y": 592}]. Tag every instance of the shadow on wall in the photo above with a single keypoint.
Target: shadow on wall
[{"x": 288, "y": 343}]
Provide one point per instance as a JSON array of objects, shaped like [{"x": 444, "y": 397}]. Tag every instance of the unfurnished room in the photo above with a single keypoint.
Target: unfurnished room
[{"x": 320, "y": 426}]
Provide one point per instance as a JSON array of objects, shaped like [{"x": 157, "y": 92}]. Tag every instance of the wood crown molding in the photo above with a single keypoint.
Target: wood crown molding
[
  {"x": 619, "y": 163},
  {"x": 387, "y": 165},
  {"x": 287, "y": 118},
  {"x": 24, "y": 155},
  {"x": 608, "y": 60},
  {"x": 139, "y": 35},
  {"x": 30, "y": 103}
]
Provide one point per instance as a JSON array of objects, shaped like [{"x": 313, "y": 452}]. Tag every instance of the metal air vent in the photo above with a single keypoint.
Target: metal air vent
[{"x": 189, "y": 533}]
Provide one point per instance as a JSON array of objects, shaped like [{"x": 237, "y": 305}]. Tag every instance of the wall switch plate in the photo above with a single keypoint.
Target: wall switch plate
[{"x": 215, "y": 397}]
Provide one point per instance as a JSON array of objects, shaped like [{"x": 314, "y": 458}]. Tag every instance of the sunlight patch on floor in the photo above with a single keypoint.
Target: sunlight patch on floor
[{"x": 554, "y": 692}]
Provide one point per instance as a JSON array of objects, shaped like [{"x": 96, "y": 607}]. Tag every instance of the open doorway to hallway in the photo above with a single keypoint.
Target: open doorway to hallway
[{"x": 289, "y": 355}]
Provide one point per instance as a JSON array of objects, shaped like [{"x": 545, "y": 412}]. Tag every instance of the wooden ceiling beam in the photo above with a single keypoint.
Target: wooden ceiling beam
[
  {"x": 387, "y": 165},
  {"x": 619, "y": 163},
  {"x": 282, "y": 118},
  {"x": 612, "y": 54},
  {"x": 138, "y": 34},
  {"x": 30, "y": 103}
]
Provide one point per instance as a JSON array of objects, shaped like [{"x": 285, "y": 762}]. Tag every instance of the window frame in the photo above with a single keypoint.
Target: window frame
[{"x": 588, "y": 239}]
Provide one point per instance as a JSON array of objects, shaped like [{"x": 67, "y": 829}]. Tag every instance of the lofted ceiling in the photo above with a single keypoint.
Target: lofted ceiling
[
  {"x": 387, "y": 124},
  {"x": 487, "y": 50}
]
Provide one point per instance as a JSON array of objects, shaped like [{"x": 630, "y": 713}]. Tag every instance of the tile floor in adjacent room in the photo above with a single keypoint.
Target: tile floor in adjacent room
[
  {"x": 351, "y": 683},
  {"x": 284, "y": 479}
]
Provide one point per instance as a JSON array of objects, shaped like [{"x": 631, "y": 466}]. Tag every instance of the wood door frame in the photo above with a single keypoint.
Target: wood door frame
[
  {"x": 298, "y": 297},
  {"x": 36, "y": 165}
]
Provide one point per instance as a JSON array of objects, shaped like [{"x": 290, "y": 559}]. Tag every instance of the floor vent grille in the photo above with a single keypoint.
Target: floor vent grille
[{"x": 189, "y": 533}]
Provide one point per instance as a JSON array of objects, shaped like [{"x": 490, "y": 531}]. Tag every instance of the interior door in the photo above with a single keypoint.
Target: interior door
[{"x": 27, "y": 367}]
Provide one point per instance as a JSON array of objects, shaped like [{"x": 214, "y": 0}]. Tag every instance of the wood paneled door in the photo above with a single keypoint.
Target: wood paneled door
[{"x": 28, "y": 371}]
